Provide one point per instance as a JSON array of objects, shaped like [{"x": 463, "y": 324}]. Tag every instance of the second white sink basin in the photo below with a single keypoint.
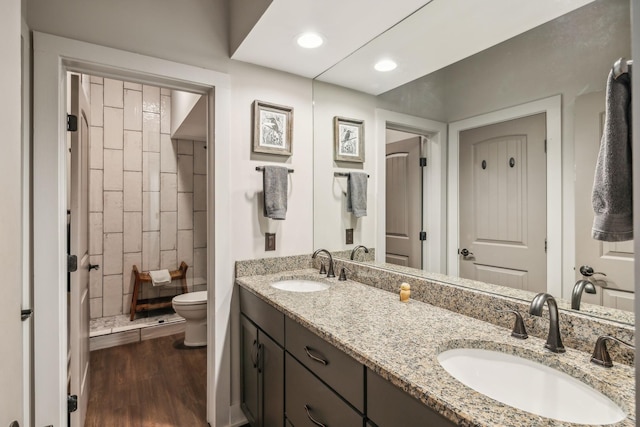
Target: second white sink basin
[
  {"x": 300, "y": 285},
  {"x": 530, "y": 386}
]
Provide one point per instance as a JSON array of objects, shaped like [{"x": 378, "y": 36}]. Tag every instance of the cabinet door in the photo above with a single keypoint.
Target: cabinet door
[
  {"x": 389, "y": 406},
  {"x": 271, "y": 371},
  {"x": 250, "y": 396}
]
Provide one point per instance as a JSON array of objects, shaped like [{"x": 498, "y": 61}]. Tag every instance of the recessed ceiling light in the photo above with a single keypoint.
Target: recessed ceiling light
[
  {"x": 385, "y": 65},
  {"x": 309, "y": 40}
]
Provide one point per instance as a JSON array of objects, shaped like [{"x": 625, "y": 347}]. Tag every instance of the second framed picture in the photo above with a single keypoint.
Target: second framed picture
[
  {"x": 272, "y": 128},
  {"x": 348, "y": 137}
]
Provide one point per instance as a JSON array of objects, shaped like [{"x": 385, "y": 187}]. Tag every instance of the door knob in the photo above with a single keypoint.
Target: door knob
[
  {"x": 465, "y": 253},
  {"x": 587, "y": 271}
]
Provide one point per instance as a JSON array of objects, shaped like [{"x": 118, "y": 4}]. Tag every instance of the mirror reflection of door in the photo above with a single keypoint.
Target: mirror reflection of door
[
  {"x": 502, "y": 192},
  {"x": 615, "y": 259},
  {"x": 403, "y": 203}
]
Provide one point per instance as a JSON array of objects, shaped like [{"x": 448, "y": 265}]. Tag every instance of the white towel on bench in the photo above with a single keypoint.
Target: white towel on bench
[{"x": 160, "y": 277}]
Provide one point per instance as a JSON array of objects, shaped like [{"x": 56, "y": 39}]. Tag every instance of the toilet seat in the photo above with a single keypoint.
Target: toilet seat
[{"x": 191, "y": 298}]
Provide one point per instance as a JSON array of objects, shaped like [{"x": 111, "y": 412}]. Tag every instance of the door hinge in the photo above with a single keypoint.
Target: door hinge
[
  {"x": 25, "y": 314},
  {"x": 72, "y": 123},
  {"x": 545, "y": 246},
  {"x": 545, "y": 145},
  {"x": 72, "y": 403},
  {"x": 72, "y": 263},
  {"x": 423, "y": 235},
  {"x": 423, "y": 162}
]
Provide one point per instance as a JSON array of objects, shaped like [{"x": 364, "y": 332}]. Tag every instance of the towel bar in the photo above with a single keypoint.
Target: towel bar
[
  {"x": 345, "y": 174},
  {"x": 261, "y": 169}
]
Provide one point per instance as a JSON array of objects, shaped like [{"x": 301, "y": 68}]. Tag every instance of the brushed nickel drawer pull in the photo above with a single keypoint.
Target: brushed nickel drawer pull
[
  {"x": 316, "y": 358},
  {"x": 316, "y": 422}
]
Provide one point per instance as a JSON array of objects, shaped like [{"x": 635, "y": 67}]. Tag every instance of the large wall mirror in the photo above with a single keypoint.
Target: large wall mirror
[{"x": 483, "y": 169}]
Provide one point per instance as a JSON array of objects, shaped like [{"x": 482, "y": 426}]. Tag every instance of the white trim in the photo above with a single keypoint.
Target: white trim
[
  {"x": 552, "y": 106},
  {"x": 434, "y": 216},
  {"x": 53, "y": 56}
]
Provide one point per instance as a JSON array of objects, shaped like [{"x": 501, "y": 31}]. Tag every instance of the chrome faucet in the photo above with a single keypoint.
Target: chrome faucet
[
  {"x": 354, "y": 250},
  {"x": 576, "y": 295},
  {"x": 554, "y": 341},
  {"x": 330, "y": 273}
]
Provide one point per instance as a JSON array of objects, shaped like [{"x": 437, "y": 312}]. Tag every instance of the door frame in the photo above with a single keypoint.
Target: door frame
[
  {"x": 552, "y": 106},
  {"x": 435, "y": 181},
  {"x": 53, "y": 57}
]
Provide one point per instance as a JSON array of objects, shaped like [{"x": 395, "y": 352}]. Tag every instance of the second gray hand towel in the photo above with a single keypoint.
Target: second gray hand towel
[
  {"x": 275, "y": 182},
  {"x": 357, "y": 194}
]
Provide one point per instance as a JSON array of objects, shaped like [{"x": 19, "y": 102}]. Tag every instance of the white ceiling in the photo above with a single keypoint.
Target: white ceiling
[{"x": 358, "y": 33}]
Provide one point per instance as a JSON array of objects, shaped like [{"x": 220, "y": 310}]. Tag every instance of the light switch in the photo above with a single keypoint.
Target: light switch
[
  {"x": 270, "y": 241},
  {"x": 349, "y": 236}
]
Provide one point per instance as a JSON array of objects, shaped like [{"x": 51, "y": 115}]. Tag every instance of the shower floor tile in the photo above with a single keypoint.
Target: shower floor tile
[{"x": 120, "y": 323}]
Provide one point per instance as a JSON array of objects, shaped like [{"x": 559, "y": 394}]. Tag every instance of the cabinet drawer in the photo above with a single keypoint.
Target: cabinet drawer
[
  {"x": 307, "y": 397},
  {"x": 262, "y": 314},
  {"x": 340, "y": 371},
  {"x": 389, "y": 406}
]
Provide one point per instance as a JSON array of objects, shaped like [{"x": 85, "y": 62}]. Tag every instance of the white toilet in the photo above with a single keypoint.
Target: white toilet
[{"x": 193, "y": 307}]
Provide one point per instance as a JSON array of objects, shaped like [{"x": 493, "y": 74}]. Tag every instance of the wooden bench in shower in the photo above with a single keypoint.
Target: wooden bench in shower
[{"x": 158, "y": 302}]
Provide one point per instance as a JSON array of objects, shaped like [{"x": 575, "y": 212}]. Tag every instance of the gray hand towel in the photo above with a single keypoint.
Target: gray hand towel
[
  {"x": 612, "y": 186},
  {"x": 275, "y": 182},
  {"x": 357, "y": 194}
]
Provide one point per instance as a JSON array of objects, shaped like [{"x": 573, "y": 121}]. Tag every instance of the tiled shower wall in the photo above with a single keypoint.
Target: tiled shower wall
[{"x": 147, "y": 197}]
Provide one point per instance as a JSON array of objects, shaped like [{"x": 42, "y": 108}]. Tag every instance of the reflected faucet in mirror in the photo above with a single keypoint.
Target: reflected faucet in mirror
[
  {"x": 554, "y": 341},
  {"x": 354, "y": 250},
  {"x": 330, "y": 273},
  {"x": 576, "y": 295}
]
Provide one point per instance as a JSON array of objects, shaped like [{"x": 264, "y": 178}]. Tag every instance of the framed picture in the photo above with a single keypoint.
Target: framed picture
[
  {"x": 348, "y": 135},
  {"x": 272, "y": 128}
]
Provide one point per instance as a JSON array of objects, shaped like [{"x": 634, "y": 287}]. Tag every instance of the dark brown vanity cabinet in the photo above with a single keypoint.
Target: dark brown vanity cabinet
[
  {"x": 389, "y": 406},
  {"x": 262, "y": 339}
]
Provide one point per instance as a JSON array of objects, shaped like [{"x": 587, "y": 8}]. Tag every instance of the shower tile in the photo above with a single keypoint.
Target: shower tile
[
  {"x": 112, "y": 256},
  {"x": 113, "y": 170},
  {"x": 150, "y": 211},
  {"x": 133, "y": 191},
  {"x": 113, "y": 128},
  {"x": 185, "y": 146},
  {"x": 95, "y": 308},
  {"x": 113, "y": 211},
  {"x": 200, "y": 229},
  {"x": 132, "y": 150},
  {"x": 199, "y": 157},
  {"x": 200, "y": 265},
  {"x": 168, "y": 192},
  {"x": 199, "y": 192},
  {"x": 168, "y": 154},
  {"x": 126, "y": 308},
  {"x": 95, "y": 148},
  {"x": 185, "y": 248},
  {"x": 113, "y": 93},
  {"x": 169, "y": 259},
  {"x": 129, "y": 260},
  {"x": 151, "y": 132},
  {"x": 96, "y": 105},
  {"x": 165, "y": 114},
  {"x": 165, "y": 91},
  {"x": 95, "y": 277},
  {"x": 185, "y": 172},
  {"x": 168, "y": 230},
  {"x": 95, "y": 233},
  {"x": 150, "y": 171},
  {"x": 132, "y": 110},
  {"x": 185, "y": 211},
  {"x": 112, "y": 295},
  {"x": 134, "y": 86},
  {"x": 151, "y": 99},
  {"x": 150, "y": 250},
  {"x": 95, "y": 190},
  {"x": 132, "y": 232}
]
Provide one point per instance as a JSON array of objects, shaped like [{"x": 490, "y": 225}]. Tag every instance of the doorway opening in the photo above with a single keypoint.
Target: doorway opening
[{"x": 143, "y": 207}]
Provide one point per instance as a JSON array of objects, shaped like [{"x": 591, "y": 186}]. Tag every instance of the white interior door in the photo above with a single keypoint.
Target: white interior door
[
  {"x": 615, "y": 259},
  {"x": 502, "y": 203},
  {"x": 403, "y": 203},
  {"x": 79, "y": 246}
]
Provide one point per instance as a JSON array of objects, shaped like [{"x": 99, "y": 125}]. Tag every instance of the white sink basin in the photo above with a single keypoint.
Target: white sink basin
[
  {"x": 530, "y": 386},
  {"x": 299, "y": 285}
]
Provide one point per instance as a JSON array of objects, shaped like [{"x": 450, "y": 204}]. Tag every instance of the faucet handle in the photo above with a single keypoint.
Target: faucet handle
[
  {"x": 343, "y": 274},
  {"x": 601, "y": 354},
  {"x": 519, "y": 331}
]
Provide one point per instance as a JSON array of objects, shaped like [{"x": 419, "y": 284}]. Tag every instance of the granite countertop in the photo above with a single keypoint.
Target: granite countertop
[{"x": 401, "y": 341}]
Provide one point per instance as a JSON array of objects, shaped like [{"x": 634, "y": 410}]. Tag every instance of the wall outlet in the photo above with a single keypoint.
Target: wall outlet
[
  {"x": 349, "y": 236},
  {"x": 270, "y": 241}
]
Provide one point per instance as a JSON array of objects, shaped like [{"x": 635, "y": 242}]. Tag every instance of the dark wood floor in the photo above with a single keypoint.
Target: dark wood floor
[{"x": 153, "y": 383}]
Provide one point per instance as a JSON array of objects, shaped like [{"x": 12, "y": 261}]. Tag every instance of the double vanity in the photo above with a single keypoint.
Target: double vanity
[{"x": 320, "y": 351}]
